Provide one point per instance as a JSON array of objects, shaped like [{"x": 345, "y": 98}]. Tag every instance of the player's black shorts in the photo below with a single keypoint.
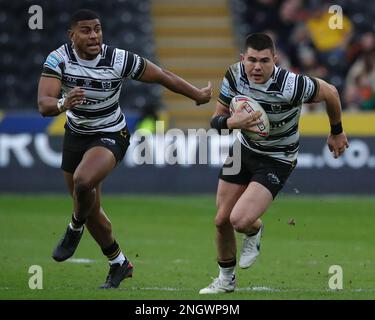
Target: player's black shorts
[
  {"x": 75, "y": 145},
  {"x": 256, "y": 167}
]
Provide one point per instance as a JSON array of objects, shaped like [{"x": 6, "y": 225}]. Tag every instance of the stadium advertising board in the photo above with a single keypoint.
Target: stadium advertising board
[{"x": 178, "y": 162}]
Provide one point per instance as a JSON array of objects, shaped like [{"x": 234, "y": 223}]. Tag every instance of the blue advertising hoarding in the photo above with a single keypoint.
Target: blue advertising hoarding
[{"x": 30, "y": 157}]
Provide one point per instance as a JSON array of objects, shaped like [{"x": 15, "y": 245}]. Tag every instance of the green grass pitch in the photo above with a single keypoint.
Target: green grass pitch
[{"x": 170, "y": 241}]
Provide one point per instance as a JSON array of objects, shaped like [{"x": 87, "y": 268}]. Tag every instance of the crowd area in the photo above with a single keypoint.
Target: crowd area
[
  {"x": 302, "y": 29},
  {"x": 24, "y": 50},
  {"x": 334, "y": 41}
]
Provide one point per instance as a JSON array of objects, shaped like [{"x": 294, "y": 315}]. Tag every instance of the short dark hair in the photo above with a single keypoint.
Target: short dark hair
[
  {"x": 83, "y": 14},
  {"x": 259, "y": 41}
]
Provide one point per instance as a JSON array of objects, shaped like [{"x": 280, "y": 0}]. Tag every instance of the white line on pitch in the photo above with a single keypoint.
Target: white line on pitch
[{"x": 80, "y": 260}]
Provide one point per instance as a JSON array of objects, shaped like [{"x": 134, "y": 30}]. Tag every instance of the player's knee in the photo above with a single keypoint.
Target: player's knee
[
  {"x": 238, "y": 225},
  {"x": 221, "y": 219},
  {"x": 241, "y": 224},
  {"x": 81, "y": 185}
]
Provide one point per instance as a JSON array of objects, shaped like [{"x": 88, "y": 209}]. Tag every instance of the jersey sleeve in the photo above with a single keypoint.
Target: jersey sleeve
[
  {"x": 228, "y": 88},
  {"x": 54, "y": 65},
  {"x": 129, "y": 64},
  {"x": 311, "y": 90},
  {"x": 300, "y": 89}
]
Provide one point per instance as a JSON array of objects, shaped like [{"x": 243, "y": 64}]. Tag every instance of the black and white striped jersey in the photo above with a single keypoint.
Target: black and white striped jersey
[
  {"x": 281, "y": 97},
  {"x": 101, "y": 79}
]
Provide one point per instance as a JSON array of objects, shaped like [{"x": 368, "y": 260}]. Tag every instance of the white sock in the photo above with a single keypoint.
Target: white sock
[
  {"x": 75, "y": 229},
  {"x": 226, "y": 273},
  {"x": 119, "y": 259}
]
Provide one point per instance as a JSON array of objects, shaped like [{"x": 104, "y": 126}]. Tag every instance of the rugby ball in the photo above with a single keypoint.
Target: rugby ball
[{"x": 251, "y": 105}]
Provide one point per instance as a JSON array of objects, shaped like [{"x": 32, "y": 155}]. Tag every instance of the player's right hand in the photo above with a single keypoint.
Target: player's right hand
[
  {"x": 74, "y": 97},
  {"x": 244, "y": 120},
  {"x": 205, "y": 95},
  {"x": 337, "y": 144}
]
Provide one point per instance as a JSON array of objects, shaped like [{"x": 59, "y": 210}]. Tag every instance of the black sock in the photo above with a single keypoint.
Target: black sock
[
  {"x": 113, "y": 251},
  {"x": 227, "y": 263},
  {"x": 77, "y": 223},
  {"x": 251, "y": 234}
]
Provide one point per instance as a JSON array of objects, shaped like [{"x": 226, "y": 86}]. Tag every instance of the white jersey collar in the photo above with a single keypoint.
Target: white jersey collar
[{"x": 87, "y": 63}]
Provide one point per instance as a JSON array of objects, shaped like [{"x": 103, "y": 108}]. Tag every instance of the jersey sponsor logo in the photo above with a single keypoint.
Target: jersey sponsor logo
[
  {"x": 71, "y": 80},
  {"x": 289, "y": 86},
  {"x": 119, "y": 58},
  {"x": 273, "y": 178},
  {"x": 87, "y": 83},
  {"x": 52, "y": 60},
  {"x": 225, "y": 90},
  {"x": 106, "y": 85},
  {"x": 108, "y": 141},
  {"x": 276, "y": 108},
  {"x": 278, "y": 124}
]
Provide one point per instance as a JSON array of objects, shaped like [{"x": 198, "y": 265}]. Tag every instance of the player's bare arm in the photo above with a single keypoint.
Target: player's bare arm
[
  {"x": 49, "y": 92},
  {"x": 337, "y": 141},
  {"x": 239, "y": 119},
  {"x": 173, "y": 82}
]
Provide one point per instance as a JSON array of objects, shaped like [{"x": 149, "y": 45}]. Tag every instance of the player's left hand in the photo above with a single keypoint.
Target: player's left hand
[
  {"x": 337, "y": 144},
  {"x": 205, "y": 94}
]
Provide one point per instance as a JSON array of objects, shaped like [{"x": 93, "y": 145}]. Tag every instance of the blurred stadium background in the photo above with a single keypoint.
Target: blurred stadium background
[{"x": 197, "y": 39}]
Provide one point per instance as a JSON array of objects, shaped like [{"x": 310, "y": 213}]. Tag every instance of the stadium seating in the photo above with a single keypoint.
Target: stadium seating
[
  {"x": 126, "y": 24},
  {"x": 256, "y": 16},
  {"x": 195, "y": 40},
  {"x": 197, "y": 43}
]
